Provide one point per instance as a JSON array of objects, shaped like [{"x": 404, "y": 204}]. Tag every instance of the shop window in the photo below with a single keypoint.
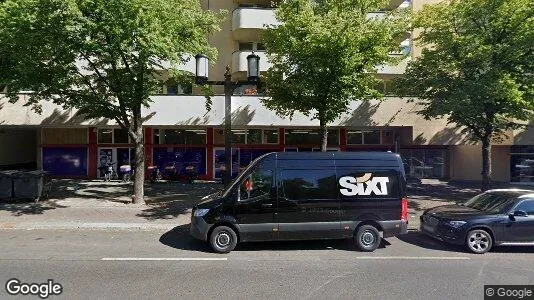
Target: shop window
[
  {"x": 363, "y": 137},
  {"x": 424, "y": 163},
  {"x": 184, "y": 137},
  {"x": 105, "y": 136},
  {"x": 270, "y": 136},
  {"x": 254, "y": 136},
  {"x": 156, "y": 140},
  {"x": 522, "y": 163},
  {"x": 310, "y": 137},
  {"x": 239, "y": 136},
  {"x": 120, "y": 136}
]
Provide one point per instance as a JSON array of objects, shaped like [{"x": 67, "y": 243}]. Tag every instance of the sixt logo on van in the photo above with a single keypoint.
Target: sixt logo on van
[{"x": 364, "y": 185}]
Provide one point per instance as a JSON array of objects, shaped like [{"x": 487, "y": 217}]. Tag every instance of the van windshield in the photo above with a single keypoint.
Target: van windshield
[{"x": 236, "y": 180}]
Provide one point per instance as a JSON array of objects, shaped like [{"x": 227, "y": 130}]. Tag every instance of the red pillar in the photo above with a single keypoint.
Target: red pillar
[
  {"x": 149, "y": 148},
  {"x": 343, "y": 139},
  {"x": 209, "y": 157},
  {"x": 281, "y": 139},
  {"x": 93, "y": 153}
]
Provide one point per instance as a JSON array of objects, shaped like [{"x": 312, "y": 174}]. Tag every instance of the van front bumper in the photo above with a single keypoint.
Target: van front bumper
[
  {"x": 393, "y": 228},
  {"x": 199, "y": 228}
]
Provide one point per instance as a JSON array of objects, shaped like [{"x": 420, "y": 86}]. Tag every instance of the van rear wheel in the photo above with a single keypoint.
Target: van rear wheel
[
  {"x": 367, "y": 238},
  {"x": 223, "y": 239}
]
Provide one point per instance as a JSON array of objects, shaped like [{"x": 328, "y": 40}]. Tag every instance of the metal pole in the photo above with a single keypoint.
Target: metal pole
[{"x": 228, "y": 91}]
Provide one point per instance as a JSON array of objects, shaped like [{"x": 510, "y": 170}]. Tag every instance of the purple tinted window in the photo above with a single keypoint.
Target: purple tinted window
[{"x": 65, "y": 161}]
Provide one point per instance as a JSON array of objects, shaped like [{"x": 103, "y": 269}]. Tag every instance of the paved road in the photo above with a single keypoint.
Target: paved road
[{"x": 413, "y": 267}]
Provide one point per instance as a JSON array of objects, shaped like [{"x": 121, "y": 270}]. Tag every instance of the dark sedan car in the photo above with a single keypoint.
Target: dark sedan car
[{"x": 493, "y": 218}]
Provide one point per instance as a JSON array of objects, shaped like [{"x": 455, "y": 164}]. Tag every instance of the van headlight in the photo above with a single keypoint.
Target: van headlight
[
  {"x": 456, "y": 224},
  {"x": 200, "y": 212}
]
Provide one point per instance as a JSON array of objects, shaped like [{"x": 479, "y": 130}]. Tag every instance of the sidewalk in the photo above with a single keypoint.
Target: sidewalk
[{"x": 97, "y": 205}]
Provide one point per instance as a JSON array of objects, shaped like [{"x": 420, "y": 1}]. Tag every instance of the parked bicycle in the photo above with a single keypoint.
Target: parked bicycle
[
  {"x": 154, "y": 174},
  {"x": 109, "y": 172},
  {"x": 126, "y": 172}
]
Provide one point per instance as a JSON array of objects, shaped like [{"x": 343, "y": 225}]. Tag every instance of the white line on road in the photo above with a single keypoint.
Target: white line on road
[
  {"x": 165, "y": 258},
  {"x": 415, "y": 257}
]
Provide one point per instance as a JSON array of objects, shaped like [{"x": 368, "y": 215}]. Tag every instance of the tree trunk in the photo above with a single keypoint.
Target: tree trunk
[
  {"x": 324, "y": 135},
  {"x": 486, "y": 163},
  {"x": 139, "y": 176}
]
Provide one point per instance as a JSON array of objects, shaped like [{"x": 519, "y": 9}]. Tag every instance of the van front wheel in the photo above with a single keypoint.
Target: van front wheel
[
  {"x": 223, "y": 239},
  {"x": 367, "y": 238}
]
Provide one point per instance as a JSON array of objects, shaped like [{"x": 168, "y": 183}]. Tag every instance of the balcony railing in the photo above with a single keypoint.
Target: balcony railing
[{"x": 248, "y": 22}]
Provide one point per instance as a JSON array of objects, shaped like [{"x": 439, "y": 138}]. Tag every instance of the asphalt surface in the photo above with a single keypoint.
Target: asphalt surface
[{"x": 119, "y": 264}]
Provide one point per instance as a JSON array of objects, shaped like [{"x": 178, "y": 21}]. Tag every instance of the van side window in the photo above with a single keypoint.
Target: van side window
[
  {"x": 256, "y": 184},
  {"x": 309, "y": 184}
]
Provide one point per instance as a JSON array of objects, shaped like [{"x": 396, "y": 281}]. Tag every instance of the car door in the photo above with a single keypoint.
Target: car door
[
  {"x": 255, "y": 207},
  {"x": 308, "y": 207},
  {"x": 521, "y": 228}
]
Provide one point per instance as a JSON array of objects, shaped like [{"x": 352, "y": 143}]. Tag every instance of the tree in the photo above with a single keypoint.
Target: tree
[
  {"x": 104, "y": 58},
  {"x": 476, "y": 68},
  {"x": 324, "y": 55}
]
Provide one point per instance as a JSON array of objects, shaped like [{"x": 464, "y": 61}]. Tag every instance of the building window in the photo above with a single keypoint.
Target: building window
[
  {"x": 522, "y": 164},
  {"x": 248, "y": 136},
  {"x": 363, "y": 137},
  {"x": 105, "y": 136},
  {"x": 254, "y": 136},
  {"x": 310, "y": 137},
  {"x": 270, "y": 136},
  {"x": 120, "y": 136},
  {"x": 179, "y": 88},
  {"x": 239, "y": 136},
  {"x": 246, "y": 46},
  {"x": 424, "y": 163},
  {"x": 182, "y": 137},
  {"x": 260, "y": 47}
]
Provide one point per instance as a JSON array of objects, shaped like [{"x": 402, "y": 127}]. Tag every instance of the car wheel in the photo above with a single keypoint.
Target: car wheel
[
  {"x": 367, "y": 238},
  {"x": 479, "y": 241},
  {"x": 223, "y": 239}
]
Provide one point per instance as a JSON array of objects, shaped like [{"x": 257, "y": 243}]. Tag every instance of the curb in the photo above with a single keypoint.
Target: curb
[{"x": 88, "y": 226}]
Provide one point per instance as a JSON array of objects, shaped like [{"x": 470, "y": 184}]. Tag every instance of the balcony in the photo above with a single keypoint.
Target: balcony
[
  {"x": 394, "y": 69},
  {"x": 248, "y": 22},
  {"x": 239, "y": 61}
]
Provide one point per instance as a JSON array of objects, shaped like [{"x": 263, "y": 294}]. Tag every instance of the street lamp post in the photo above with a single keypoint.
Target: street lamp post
[{"x": 253, "y": 74}]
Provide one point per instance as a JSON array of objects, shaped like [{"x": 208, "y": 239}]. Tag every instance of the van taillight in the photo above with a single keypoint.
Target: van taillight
[{"x": 404, "y": 212}]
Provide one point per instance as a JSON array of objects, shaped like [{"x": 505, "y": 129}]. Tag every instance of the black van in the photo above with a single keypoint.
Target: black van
[{"x": 308, "y": 195}]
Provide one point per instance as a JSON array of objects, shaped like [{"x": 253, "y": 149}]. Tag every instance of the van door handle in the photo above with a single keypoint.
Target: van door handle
[{"x": 267, "y": 205}]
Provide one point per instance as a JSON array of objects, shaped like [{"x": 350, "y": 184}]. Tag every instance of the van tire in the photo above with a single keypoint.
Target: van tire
[
  {"x": 223, "y": 239},
  {"x": 367, "y": 238}
]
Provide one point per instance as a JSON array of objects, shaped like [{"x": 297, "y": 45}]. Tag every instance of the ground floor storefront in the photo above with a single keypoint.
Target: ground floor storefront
[{"x": 81, "y": 152}]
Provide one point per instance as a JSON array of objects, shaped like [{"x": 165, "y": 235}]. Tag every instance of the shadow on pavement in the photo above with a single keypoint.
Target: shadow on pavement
[
  {"x": 179, "y": 238},
  {"x": 419, "y": 239}
]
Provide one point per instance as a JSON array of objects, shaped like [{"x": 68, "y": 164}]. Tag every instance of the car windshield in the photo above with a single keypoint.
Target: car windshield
[{"x": 494, "y": 203}]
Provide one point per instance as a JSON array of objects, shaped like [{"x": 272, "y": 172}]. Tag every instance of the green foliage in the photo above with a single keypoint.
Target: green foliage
[
  {"x": 102, "y": 57},
  {"x": 476, "y": 69},
  {"x": 325, "y": 54}
]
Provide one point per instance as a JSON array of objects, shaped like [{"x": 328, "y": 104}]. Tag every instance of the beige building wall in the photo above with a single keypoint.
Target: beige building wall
[{"x": 466, "y": 162}]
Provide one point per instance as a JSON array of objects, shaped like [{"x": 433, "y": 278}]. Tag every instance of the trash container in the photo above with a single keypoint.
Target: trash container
[
  {"x": 33, "y": 185},
  {"x": 6, "y": 184}
]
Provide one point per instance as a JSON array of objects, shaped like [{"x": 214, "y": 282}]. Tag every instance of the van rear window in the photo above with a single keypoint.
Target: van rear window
[{"x": 309, "y": 184}]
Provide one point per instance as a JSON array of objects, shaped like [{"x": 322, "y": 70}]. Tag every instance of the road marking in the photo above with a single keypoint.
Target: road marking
[
  {"x": 165, "y": 258},
  {"x": 415, "y": 257}
]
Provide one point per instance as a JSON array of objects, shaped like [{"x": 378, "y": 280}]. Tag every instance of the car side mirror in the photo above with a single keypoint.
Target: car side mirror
[{"x": 520, "y": 213}]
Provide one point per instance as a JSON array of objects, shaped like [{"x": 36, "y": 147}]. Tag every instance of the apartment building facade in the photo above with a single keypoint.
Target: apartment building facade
[{"x": 180, "y": 131}]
